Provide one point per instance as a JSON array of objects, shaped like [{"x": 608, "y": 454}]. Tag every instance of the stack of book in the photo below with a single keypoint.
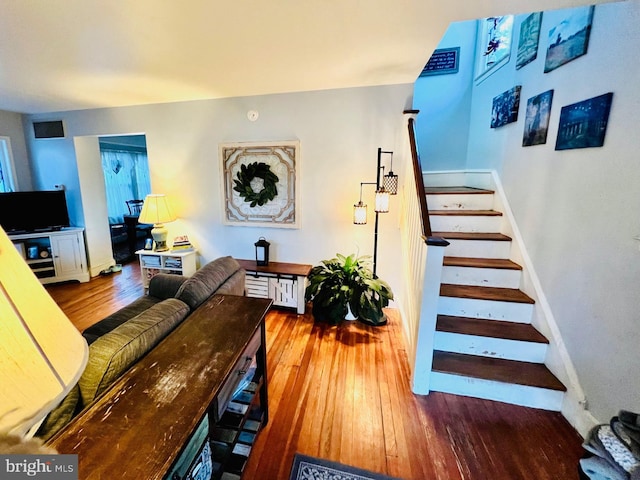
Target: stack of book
[{"x": 182, "y": 244}]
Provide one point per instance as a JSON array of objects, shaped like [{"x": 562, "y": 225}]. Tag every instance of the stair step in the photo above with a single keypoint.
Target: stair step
[
  {"x": 496, "y": 369},
  {"x": 466, "y": 213},
  {"x": 488, "y": 236},
  {"x": 500, "y": 294},
  {"x": 457, "y": 191},
  {"x": 499, "y": 263},
  {"x": 481, "y": 327}
]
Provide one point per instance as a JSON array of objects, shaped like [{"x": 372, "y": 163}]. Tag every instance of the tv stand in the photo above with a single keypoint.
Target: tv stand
[{"x": 54, "y": 255}]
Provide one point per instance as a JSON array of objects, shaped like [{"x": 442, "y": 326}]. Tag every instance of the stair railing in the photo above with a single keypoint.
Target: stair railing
[{"x": 423, "y": 254}]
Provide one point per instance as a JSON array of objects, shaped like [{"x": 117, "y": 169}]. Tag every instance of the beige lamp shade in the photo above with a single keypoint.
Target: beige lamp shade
[
  {"x": 382, "y": 200},
  {"x": 42, "y": 355},
  {"x": 156, "y": 211}
]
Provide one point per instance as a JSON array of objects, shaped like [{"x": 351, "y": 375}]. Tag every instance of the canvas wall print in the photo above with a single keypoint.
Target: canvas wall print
[
  {"x": 494, "y": 41},
  {"x": 584, "y": 124},
  {"x": 261, "y": 184},
  {"x": 529, "y": 39},
  {"x": 536, "y": 121},
  {"x": 505, "y": 107},
  {"x": 570, "y": 38}
]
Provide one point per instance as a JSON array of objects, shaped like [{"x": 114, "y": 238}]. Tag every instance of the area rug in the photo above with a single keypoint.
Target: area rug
[{"x": 311, "y": 468}]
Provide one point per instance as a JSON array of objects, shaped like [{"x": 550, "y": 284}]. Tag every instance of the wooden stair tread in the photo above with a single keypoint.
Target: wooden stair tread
[
  {"x": 466, "y": 213},
  {"x": 490, "y": 236},
  {"x": 457, "y": 191},
  {"x": 485, "y": 293},
  {"x": 496, "y": 369},
  {"x": 479, "y": 327},
  {"x": 498, "y": 263}
]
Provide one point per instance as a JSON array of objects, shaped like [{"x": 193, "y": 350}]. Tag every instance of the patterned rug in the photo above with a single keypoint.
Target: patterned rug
[{"x": 311, "y": 468}]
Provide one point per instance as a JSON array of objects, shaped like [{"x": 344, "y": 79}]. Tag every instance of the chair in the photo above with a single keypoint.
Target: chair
[{"x": 135, "y": 206}]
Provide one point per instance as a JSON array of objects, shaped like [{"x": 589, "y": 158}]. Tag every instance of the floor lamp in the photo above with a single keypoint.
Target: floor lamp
[{"x": 388, "y": 186}]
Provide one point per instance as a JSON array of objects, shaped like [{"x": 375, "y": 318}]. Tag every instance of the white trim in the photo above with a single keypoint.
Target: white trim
[
  {"x": 558, "y": 359},
  {"x": 7, "y": 164}
]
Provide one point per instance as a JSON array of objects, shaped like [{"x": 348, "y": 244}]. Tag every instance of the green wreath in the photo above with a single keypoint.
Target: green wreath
[{"x": 243, "y": 183}]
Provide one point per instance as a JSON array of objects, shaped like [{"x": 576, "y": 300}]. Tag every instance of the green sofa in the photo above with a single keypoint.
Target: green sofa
[{"x": 121, "y": 339}]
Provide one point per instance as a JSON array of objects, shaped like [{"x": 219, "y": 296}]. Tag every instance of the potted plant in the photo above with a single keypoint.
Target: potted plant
[{"x": 344, "y": 283}]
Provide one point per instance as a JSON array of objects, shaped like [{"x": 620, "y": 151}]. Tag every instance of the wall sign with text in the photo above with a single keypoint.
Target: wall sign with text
[{"x": 442, "y": 62}]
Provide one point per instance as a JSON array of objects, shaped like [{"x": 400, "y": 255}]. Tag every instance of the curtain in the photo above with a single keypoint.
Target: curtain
[{"x": 126, "y": 177}]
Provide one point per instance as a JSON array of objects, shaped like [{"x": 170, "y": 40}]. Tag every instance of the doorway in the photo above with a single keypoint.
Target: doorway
[{"x": 126, "y": 175}]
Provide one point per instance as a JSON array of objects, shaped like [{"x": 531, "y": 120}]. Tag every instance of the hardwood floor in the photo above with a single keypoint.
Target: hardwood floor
[{"x": 342, "y": 393}]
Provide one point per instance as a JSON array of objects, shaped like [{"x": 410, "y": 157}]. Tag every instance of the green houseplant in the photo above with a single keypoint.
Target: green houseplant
[{"x": 344, "y": 283}]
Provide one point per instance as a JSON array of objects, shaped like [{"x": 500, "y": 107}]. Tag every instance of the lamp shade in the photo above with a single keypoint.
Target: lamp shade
[
  {"x": 42, "y": 355},
  {"x": 360, "y": 213},
  {"x": 382, "y": 201},
  {"x": 156, "y": 210}
]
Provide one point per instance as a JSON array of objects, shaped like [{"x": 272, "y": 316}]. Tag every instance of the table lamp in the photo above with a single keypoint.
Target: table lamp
[
  {"x": 156, "y": 211},
  {"x": 42, "y": 354}
]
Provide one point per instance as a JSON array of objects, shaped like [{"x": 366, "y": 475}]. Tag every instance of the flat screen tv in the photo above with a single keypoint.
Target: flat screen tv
[{"x": 24, "y": 212}]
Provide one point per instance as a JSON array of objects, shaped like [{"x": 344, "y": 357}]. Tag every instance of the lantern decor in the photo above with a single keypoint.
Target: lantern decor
[
  {"x": 385, "y": 186},
  {"x": 262, "y": 252}
]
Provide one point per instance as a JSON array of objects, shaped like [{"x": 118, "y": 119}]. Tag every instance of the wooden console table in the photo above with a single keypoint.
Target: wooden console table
[
  {"x": 139, "y": 427},
  {"x": 284, "y": 283}
]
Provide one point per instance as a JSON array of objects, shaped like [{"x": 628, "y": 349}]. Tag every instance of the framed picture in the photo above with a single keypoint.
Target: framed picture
[
  {"x": 536, "y": 121},
  {"x": 494, "y": 45},
  {"x": 529, "y": 39},
  {"x": 505, "y": 107},
  {"x": 261, "y": 184},
  {"x": 570, "y": 38},
  {"x": 584, "y": 124},
  {"x": 443, "y": 61}
]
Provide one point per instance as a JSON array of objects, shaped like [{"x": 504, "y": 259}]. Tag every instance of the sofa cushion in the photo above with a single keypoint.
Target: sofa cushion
[
  {"x": 234, "y": 285},
  {"x": 113, "y": 353},
  {"x": 116, "y": 319},
  {"x": 204, "y": 283},
  {"x": 61, "y": 415}
]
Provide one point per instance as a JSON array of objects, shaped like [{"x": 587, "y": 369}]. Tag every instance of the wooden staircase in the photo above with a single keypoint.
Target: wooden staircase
[{"x": 485, "y": 345}]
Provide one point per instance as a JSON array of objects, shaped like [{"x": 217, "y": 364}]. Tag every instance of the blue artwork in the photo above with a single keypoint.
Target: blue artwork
[{"x": 569, "y": 39}]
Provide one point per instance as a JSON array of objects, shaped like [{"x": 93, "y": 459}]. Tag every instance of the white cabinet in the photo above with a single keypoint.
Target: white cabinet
[
  {"x": 176, "y": 262},
  {"x": 57, "y": 256},
  {"x": 284, "y": 283}
]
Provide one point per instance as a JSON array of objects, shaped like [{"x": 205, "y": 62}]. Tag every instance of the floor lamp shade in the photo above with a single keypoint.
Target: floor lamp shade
[
  {"x": 156, "y": 211},
  {"x": 42, "y": 355}
]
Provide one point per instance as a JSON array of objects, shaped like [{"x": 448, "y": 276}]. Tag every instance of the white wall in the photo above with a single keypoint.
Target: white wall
[
  {"x": 339, "y": 132},
  {"x": 579, "y": 210},
  {"x": 11, "y": 126},
  {"x": 444, "y": 102}
]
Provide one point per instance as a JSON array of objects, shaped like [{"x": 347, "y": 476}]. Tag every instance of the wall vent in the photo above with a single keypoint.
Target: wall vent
[{"x": 53, "y": 129}]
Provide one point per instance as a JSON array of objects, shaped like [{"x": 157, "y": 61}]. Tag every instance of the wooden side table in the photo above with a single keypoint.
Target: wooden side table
[{"x": 284, "y": 283}]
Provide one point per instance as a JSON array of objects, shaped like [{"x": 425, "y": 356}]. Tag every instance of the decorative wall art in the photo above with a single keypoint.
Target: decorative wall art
[
  {"x": 505, "y": 107},
  {"x": 443, "y": 61},
  {"x": 261, "y": 184},
  {"x": 584, "y": 124},
  {"x": 494, "y": 43},
  {"x": 570, "y": 38},
  {"x": 536, "y": 121},
  {"x": 529, "y": 39}
]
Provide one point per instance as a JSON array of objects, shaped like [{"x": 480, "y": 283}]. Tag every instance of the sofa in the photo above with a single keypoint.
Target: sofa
[{"x": 121, "y": 339}]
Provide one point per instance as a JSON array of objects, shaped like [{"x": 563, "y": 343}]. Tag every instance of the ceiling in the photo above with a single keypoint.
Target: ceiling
[{"x": 58, "y": 55}]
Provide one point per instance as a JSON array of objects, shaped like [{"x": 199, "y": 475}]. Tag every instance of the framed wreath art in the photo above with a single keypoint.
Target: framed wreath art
[{"x": 260, "y": 184}]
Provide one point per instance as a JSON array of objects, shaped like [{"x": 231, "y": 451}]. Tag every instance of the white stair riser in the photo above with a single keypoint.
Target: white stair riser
[
  {"x": 490, "y": 347},
  {"x": 488, "y": 309},
  {"x": 465, "y": 223},
  {"x": 460, "y": 202},
  {"x": 526, "y": 396},
  {"x": 484, "y": 277},
  {"x": 478, "y": 248}
]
